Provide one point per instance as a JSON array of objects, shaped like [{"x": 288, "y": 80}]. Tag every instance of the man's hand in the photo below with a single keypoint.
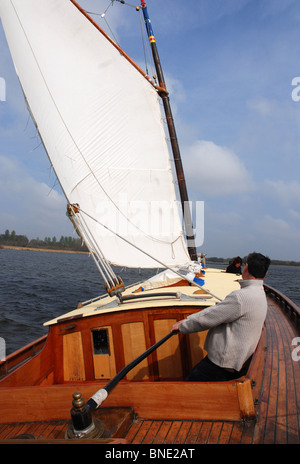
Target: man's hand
[{"x": 176, "y": 326}]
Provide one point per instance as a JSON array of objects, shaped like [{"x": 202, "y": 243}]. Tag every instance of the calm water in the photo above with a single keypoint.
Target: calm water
[{"x": 37, "y": 286}]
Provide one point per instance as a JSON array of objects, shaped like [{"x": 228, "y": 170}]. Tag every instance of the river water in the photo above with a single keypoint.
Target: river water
[{"x": 37, "y": 286}]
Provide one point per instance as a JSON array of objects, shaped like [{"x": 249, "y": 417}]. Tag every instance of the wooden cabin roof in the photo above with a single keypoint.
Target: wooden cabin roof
[{"x": 216, "y": 281}]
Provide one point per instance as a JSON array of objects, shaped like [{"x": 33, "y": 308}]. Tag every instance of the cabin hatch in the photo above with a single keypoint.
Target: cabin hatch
[{"x": 103, "y": 353}]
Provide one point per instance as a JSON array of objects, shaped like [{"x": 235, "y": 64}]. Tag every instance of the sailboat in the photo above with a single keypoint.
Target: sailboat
[{"x": 99, "y": 117}]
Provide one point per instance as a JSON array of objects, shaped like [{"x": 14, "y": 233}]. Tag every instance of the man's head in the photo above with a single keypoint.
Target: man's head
[{"x": 257, "y": 266}]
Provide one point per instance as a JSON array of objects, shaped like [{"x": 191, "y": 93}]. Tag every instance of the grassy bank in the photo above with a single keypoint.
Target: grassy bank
[{"x": 48, "y": 250}]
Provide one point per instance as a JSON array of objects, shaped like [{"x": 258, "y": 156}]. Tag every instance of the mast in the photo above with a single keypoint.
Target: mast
[{"x": 173, "y": 138}]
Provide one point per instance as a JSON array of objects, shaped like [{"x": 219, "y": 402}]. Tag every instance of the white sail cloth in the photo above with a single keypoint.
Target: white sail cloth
[{"x": 101, "y": 125}]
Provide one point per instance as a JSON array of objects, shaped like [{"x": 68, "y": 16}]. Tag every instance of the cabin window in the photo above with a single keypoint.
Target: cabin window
[
  {"x": 101, "y": 341},
  {"x": 103, "y": 352}
]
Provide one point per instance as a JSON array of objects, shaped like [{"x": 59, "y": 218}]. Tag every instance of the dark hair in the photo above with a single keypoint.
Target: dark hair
[
  {"x": 258, "y": 265},
  {"x": 236, "y": 260}
]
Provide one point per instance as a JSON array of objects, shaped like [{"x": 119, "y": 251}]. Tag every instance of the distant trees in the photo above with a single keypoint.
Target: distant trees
[
  {"x": 11, "y": 238},
  {"x": 64, "y": 243}
]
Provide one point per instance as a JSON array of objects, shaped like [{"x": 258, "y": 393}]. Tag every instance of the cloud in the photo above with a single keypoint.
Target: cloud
[
  {"x": 215, "y": 170},
  {"x": 202, "y": 13},
  {"x": 286, "y": 193},
  {"x": 28, "y": 206},
  {"x": 276, "y": 237},
  {"x": 275, "y": 226},
  {"x": 264, "y": 106},
  {"x": 268, "y": 8}
]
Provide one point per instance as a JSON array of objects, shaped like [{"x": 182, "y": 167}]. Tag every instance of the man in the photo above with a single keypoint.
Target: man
[{"x": 234, "y": 325}]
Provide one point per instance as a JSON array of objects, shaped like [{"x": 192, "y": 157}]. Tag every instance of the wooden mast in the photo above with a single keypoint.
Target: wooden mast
[{"x": 173, "y": 138}]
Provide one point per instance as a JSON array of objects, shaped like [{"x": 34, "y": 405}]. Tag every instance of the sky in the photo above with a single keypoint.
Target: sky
[{"x": 232, "y": 68}]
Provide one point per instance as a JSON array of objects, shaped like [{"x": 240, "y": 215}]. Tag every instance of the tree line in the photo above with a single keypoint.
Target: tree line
[
  {"x": 64, "y": 243},
  {"x": 75, "y": 244}
]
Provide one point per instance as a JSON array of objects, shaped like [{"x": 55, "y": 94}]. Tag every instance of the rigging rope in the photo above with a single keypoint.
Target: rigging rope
[
  {"x": 112, "y": 282},
  {"x": 101, "y": 258},
  {"x": 103, "y": 16},
  {"x": 145, "y": 43}
]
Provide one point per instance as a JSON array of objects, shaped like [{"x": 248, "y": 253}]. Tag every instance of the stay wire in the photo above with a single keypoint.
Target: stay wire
[
  {"x": 148, "y": 254},
  {"x": 103, "y": 266}
]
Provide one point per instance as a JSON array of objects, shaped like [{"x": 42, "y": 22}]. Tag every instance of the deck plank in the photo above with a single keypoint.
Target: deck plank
[
  {"x": 162, "y": 432},
  {"x": 143, "y": 430},
  {"x": 194, "y": 432},
  {"x": 290, "y": 421},
  {"x": 204, "y": 432},
  {"x": 173, "y": 432},
  {"x": 225, "y": 433},
  {"x": 152, "y": 432},
  {"x": 248, "y": 431},
  {"x": 237, "y": 433},
  {"x": 11, "y": 430},
  {"x": 215, "y": 432},
  {"x": 133, "y": 431},
  {"x": 183, "y": 432}
]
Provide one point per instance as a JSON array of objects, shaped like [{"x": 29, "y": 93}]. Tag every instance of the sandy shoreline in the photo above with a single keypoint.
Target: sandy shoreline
[{"x": 8, "y": 247}]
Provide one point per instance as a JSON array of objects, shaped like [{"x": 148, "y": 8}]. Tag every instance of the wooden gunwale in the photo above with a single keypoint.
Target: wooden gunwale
[
  {"x": 289, "y": 307},
  {"x": 14, "y": 360}
]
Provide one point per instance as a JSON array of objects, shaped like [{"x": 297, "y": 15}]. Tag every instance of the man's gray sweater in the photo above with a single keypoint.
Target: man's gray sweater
[{"x": 235, "y": 325}]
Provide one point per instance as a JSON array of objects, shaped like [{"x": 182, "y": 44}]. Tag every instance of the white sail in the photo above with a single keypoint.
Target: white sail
[{"x": 101, "y": 125}]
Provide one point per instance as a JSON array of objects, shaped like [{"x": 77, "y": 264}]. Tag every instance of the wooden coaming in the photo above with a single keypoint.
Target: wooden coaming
[
  {"x": 55, "y": 361},
  {"x": 169, "y": 398}
]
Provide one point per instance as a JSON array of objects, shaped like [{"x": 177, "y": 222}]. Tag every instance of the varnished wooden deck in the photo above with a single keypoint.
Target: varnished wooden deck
[
  {"x": 279, "y": 402},
  {"x": 38, "y": 430},
  {"x": 190, "y": 432},
  {"x": 276, "y": 392}
]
